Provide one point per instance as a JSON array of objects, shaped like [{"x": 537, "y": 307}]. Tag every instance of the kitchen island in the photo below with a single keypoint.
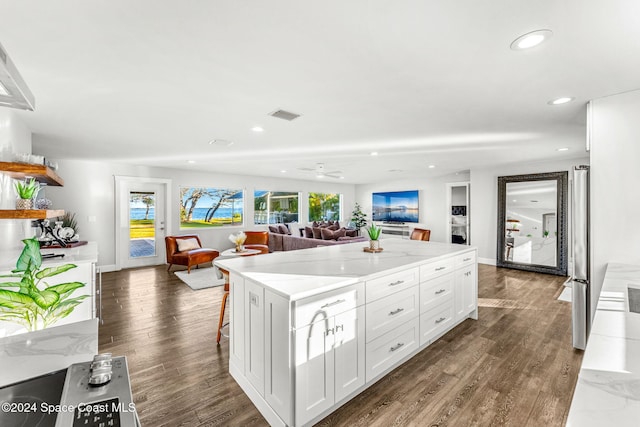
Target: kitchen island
[{"x": 311, "y": 329}]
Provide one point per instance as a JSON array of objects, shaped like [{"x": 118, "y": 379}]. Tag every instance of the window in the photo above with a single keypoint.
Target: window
[
  {"x": 274, "y": 207},
  {"x": 324, "y": 206},
  {"x": 210, "y": 207}
]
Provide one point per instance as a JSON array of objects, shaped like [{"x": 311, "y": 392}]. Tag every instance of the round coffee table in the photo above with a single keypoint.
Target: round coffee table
[{"x": 232, "y": 252}]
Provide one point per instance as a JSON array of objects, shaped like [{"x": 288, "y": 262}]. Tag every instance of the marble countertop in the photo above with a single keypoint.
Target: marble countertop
[
  {"x": 36, "y": 353},
  {"x": 302, "y": 273},
  {"x": 608, "y": 388},
  {"x": 84, "y": 253}
]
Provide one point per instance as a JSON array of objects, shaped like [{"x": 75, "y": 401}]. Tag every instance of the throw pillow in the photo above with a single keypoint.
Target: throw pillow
[
  {"x": 308, "y": 232},
  {"x": 328, "y": 234},
  {"x": 352, "y": 233},
  {"x": 274, "y": 229},
  {"x": 334, "y": 227},
  {"x": 283, "y": 229},
  {"x": 187, "y": 244},
  {"x": 316, "y": 232}
]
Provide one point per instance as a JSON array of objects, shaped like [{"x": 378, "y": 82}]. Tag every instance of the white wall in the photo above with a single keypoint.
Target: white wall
[
  {"x": 484, "y": 200},
  {"x": 89, "y": 189},
  {"x": 615, "y": 176},
  {"x": 434, "y": 213},
  {"x": 15, "y": 137}
]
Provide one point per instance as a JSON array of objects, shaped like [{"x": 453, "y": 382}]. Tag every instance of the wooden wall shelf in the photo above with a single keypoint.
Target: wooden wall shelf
[
  {"x": 41, "y": 173},
  {"x": 29, "y": 213}
]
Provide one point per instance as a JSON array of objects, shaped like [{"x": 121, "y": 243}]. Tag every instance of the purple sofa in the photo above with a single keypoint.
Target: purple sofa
[{"x": 287, "y": 242}]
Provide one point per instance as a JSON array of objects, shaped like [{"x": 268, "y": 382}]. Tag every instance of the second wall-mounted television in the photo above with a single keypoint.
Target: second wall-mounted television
[{"x": 396, "y": 206}]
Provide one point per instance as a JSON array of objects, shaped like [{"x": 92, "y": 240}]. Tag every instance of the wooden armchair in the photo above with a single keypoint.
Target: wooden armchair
[
  {"x": 420, "y": 234},
  {"x": 189, "y": 257},
  {"x": 257, "y": 240}
]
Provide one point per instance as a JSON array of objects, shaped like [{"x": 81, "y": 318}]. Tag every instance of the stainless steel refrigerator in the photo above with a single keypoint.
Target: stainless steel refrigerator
[{"x": 580, "y": 286}]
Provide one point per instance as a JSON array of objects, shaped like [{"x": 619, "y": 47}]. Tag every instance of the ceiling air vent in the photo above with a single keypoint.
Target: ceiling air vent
[{"x": 285, "y": 115}]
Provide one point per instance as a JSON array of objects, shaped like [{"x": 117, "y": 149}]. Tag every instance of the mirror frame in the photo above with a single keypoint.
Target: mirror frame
[{"x": 561, "y": 178}]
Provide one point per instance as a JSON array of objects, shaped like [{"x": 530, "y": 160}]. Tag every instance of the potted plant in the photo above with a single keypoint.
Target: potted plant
[
  {"x": 26, "y": 190},
  {"x": 28, "y": 299},
  {"x": 358, "y": 218},
  {"x": 374, "y": 234}
]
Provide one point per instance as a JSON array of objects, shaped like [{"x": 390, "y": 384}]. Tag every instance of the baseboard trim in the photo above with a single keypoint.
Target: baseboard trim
[
  {"x": 487, "y": 261},
  {"x": 107, "y": 268}
]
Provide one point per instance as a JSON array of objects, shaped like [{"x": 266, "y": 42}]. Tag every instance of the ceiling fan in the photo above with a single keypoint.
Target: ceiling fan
[{"x": 321, "y": 173}]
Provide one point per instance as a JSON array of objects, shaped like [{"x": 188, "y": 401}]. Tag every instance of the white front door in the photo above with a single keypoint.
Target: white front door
[{"x": 141, "y": 223}]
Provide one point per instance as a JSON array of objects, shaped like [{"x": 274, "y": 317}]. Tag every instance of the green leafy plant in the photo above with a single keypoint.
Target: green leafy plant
[
  {"x": 358, "y": 217},
  {"x": 374, "y": 232},
  {"x": 27, "y": 189},
  {"x": 31, "y": 302}
]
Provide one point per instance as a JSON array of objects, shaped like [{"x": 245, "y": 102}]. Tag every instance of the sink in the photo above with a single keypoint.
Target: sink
[{"x": 633, "y": 297}]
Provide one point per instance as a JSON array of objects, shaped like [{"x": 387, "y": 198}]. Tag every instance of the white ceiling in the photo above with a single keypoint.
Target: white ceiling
[{"x": 421, "y": 82}]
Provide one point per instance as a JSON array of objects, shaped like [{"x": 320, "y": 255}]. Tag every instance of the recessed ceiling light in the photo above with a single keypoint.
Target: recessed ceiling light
[
  {"x": 514, "y": 200},
  {"x": 342, "y": 177},
  {"x": 374, "y": 153},
  {"x": 191, "y": 161},
  {"x": 563, "y": 149},
  {"x": 257, "y": 129},
  {"x": 283, "y": 171},
  {"x": 561, "y": 100},
  {"x": 529, "y": 40},
  {"x": 320, "y": 176},
  {"x": 432, "y": 166}
]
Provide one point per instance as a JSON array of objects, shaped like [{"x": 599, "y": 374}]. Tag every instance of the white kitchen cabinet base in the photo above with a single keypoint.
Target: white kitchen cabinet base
[{"x": 329, "y": 322}]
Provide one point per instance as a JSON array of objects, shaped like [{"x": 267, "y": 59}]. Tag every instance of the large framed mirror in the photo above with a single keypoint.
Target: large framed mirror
[{"x": 532, "y": 222}]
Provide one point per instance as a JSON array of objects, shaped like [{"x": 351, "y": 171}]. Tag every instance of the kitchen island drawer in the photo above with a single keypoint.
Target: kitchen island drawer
[
  {"x": 327, "y": 304},
  {"x": 436, "y": 291},
  {"x": 435, "y": 269},
  {"x": 384, "y": 352},
  {"x": 388, "y": 313},
  {"x": 435, "y": 321},
  {"x": 465, "y": 259},
  {"x": 387, "y": 285}
]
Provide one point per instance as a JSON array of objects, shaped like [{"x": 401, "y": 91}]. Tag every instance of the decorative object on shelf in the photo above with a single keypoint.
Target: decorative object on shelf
[
  {"x": 44, "y": 204},
  {"x": 58, "y": 235},
  {"x": 374, "y": 234},
  {"x": 69, "y": 220},
  {"x": 358, "y": 218},
  {"x": 238, "y": 240},
  {"x": 33, "y": 303},
  {"x": 26, "y": 190}
]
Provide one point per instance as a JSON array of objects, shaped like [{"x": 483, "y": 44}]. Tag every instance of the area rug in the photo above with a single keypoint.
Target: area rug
[{"x": 200, "y": 278}]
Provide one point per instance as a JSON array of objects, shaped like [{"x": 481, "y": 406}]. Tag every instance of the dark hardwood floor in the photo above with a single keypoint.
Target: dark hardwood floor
[{"x": 514, "y": 366}]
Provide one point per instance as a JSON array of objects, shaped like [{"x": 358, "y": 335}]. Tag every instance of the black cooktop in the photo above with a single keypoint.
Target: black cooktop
[{"x": 31, "y": 403}]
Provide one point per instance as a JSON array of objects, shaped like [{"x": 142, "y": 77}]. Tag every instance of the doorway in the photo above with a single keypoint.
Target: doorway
[
  {"x": 141, "y": 218},
  {"x": 458, "y": 224}
]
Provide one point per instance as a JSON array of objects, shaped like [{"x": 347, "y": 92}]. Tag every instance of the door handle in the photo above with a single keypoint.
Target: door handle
[
  {"x": 399, "y": 282},
  {"x": 397, "y": 346},
  {"x": 396, "y": 311},
  {"x": 440, "y": 291}
]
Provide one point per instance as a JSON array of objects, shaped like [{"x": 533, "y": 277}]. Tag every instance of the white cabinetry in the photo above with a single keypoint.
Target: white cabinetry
[
  {"x": 300, "y": 359},
  {"x": 329, "y": 357},
  {"x": 466, "y": 289}
]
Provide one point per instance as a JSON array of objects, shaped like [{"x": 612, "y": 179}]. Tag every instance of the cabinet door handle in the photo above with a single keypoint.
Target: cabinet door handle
[
  {"x": 329, "y": 331},
  {"x": 339, "y": 328},
  {"x": 440, "y": 320},
  {"x": 466, "y": 259},
  {"x": 440, "y": 291},
  {"x": 397, "y": 346},
  {"x": 396, "y": 283},
  {"x": 396, "y": 311},
  {"x": 340, "y": 301},
  {"x": 440, "y": 268}
]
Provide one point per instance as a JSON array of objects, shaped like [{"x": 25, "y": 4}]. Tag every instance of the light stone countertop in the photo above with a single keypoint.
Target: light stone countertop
[
  {"x": 608, "y": 388},
  {"x": 84, "y": 253},
  {"x": 302, "y": 273},
  {"x": 37, "y": 353}
]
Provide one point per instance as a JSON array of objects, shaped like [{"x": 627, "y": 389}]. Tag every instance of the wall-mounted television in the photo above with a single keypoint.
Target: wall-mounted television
[{"x": 396, "y": 206}]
